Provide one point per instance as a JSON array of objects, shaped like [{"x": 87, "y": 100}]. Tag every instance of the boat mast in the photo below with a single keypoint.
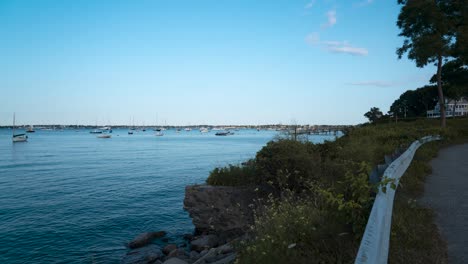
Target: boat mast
[{"x": 14, "y": 123}]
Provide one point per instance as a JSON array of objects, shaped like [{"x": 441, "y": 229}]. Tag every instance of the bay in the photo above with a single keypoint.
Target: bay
[{"x": 67, "y": 196}]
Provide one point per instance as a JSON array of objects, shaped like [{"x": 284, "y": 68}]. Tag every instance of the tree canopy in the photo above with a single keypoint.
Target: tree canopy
[
  {"x": 374, "y": 114},
  {"x": 430, "y": 28}
]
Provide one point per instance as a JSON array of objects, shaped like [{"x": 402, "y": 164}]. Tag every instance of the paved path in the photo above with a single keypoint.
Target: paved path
[{"x": 446, "y": 191}]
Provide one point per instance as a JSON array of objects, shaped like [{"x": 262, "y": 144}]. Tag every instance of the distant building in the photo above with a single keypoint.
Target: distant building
[{"x": 452, "y": 108}]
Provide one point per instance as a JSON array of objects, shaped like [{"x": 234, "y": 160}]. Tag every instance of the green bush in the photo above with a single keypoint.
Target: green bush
[
  {"x": 295, "y": 231},
  {"x": 232, "y": 175},
  {"x": 328, "y": 198},
  {"x": 287, "y": 164}
]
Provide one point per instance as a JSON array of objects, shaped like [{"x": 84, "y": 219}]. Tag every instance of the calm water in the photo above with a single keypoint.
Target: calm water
[{"x": 69, "y": 197}]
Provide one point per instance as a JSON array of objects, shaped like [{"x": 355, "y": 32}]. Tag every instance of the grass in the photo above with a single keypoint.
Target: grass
[{"x": 326, "y": 198}]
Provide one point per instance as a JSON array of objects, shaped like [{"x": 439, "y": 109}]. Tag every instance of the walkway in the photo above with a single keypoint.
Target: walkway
[{"x": 446, "y": 191}]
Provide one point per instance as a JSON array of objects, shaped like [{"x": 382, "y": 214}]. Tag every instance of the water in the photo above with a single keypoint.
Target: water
[{"x": 69, "y": 197}]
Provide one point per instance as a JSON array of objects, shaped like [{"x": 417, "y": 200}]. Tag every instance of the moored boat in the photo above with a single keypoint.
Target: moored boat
[
  {"x": 224, "y": 133},
  {"x": 30, "y": 129},
  {"x": 18, "y": 137}
]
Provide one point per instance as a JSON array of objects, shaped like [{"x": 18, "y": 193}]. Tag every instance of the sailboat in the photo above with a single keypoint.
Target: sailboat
[
  {"x": 30, "y": 129},
  {"x": 18, "y": 137}
]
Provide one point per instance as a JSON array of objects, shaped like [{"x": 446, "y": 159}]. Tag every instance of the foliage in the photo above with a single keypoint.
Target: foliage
[
  {"x": 232, "y": 175},
  {"x": 288, "y": 164},
  {"x": 373, "y": 114},
  {"x": 295, "y": 231},
  {"x": 454, "y": 73},
  {"x": 415, "y": 103},
  {"x": 427, "y": 27},
  {"x": 324, "y": 222}
]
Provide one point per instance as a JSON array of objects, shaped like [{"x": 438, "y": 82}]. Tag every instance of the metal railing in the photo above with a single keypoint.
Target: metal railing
[{"x": 375, "y": 241}]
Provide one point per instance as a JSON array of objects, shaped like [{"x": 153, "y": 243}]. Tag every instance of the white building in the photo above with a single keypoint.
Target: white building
[{"x": 452, "y": 108}]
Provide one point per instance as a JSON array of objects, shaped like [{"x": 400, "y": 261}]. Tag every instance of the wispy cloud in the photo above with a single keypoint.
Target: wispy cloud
[
  {"x": 331, "y": 19},
  {"x": 373, "y": 83},
  {"x": 345, "y": 47},
  {"x": 313, "y": 39},
  {"x": 365, "y": 2},
  {"x": 310, "y": 4}
]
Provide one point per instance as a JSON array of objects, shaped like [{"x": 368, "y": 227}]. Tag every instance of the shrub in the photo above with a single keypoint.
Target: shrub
[
  {"x": 296, "y": 231},
  {"x": 232, "y": 175},
  {"x": 287, "y": 164}
]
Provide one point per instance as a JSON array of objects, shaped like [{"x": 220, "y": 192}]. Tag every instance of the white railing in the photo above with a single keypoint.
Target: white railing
[{"x": 375, "y": 241}]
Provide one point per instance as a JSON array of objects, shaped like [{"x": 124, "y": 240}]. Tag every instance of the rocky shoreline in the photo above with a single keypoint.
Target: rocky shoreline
[{"x": 221, "y": 215}]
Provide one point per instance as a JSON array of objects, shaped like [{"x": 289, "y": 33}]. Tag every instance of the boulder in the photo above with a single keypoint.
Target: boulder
[
  {"x": 167, "y": 249},
  {"x": 204, "y": 242},
  {"x": 195, "y": 255},
  {"x": 224, "y": 249},
  {"x": 148, "y": 254},
  {"x": 175, "y": 261},
  {"x": 203, "y": 252},
  {"x": 224, "y": 210},
  {"x": 178, "y": 252},
  {"x": 145, "y": 238}
]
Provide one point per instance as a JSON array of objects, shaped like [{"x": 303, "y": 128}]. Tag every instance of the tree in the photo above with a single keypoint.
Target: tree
[
  {"x": 373, "y": 114},
  {"x": 454, "y": 79},
  {"x": 428, "y": 28},
  {"x": 459, "y": 14},
  {"x": 415, "y": 103}
]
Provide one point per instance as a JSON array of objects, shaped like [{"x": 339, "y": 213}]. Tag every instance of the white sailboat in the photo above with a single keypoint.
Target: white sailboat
[{"x": 18, "y": 137}]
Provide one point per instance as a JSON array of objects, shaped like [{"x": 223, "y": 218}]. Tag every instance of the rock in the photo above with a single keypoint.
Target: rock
[
  {"x": 204, "y": 242},
  {"x": 178, "y": 252},
  {"x": 143, "y": 255},
  {"x": 208, "y": 254},
  {"x": 175, "y": 261},
  {"x": 167, "y": 249},
  {"x": 165, "y": 239},
  {"x": 145, "y": 238},
  {"x": 195, "y": 255},
  {"x": 182, "y": 245},
  {"x": 223, "y": 209},
  {"x": 188, "y": 237},
  {"x": 226, "y": 259},
  {"x": 224, "y": 249},
  {"x": 203, "y": 252}
]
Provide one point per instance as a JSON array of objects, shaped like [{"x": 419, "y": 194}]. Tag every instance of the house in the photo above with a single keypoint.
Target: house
[{"x": 452, "y": 108}]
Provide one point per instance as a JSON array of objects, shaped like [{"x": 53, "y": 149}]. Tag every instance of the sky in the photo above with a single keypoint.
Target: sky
[{"x": 191, "y": 62}]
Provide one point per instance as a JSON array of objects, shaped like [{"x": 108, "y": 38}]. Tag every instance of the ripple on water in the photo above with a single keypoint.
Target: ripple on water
[{"x": 68, "y": 197}]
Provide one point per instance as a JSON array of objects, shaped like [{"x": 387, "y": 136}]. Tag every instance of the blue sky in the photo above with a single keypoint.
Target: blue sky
[{"x": 191, "y": 62}]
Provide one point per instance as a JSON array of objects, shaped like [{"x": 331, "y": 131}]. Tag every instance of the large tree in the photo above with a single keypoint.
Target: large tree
[
  {"x": 428, "y": 28},
  {"x": 415, "y": 103},
  {"x": 374, "y": 114},
  {"x": 459, "y": 15},
  {"x": 454, "y": 78}
]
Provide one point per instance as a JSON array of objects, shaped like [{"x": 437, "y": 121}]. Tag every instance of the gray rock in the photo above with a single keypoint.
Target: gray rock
[
  {"x": 203, "y": 252},
  {"x": 230, "y": 258},
  {"x": 175, "y": 261},
  {"x": 222, "y": 209},
  {"x": 204, "y": 242},
  {"x": 224, "y": 249},
  {"x": 145, "y": 238},
  {"x": 178, "y": 252},
  {"x": 195, "y": 255},
  {"x": 169, "y": 248},
  {"x": 143, "y": 255}
]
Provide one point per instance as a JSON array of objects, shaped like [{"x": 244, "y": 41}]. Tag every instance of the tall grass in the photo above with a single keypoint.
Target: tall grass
[{"x": 326, "y": 197}]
